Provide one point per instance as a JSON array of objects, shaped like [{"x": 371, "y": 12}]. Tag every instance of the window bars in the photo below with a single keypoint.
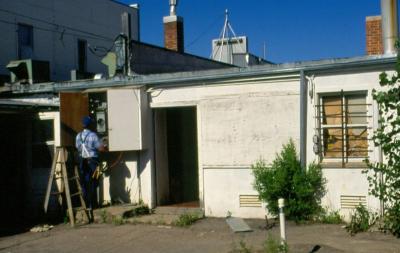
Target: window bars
[{"x": 342, "y": 128}]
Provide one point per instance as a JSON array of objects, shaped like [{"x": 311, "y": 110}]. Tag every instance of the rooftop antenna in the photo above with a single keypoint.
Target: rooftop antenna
[
  {"x": 264, "y": 50},
  {"x": 172, "y": 8},
  {"x": 225, "y": 38}
]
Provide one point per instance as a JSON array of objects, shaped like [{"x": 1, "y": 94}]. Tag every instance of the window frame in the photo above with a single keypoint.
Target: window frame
[
  {"x": 344, "y": 160},
  {"x": 82, "y": 66},
  {"x": 19, "y": 39}
]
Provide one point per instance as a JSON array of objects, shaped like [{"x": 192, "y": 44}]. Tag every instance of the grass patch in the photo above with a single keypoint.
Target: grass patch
[
  {"x": 186, "y": 219},
  {"x": 361, "y": 220},
  {"x": 118, "y": 220},
  {"x": 103, "y": 216},
  {"x": 273, "y": 245},
  {"x": 330, "y": 217}
]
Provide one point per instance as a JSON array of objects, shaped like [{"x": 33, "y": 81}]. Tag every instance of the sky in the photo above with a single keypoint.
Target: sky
[{"x": 292, "y": 30}]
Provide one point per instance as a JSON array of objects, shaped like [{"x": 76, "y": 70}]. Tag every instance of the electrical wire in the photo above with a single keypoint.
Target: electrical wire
[
  {"x": 56, "y": 25},
  {"x": 62, "y": 33},
  {"x": 94, "y": 50},
  {"x": 204, "y": 32}
]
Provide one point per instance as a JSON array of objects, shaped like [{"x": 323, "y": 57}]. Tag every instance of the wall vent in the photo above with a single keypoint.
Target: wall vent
[
  {"x": 249, "y": 201},
  {"x": 351, "y": 201}
]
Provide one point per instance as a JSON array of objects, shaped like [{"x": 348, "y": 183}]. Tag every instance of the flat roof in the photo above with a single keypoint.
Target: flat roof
[{"x": 363, "y": 63}]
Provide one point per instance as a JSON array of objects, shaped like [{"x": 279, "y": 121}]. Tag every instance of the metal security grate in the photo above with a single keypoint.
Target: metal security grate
[
  {"x": 351, "y": 202},
  {"x": 342, "y": 129},
  {"x": 249, "y": 201}
]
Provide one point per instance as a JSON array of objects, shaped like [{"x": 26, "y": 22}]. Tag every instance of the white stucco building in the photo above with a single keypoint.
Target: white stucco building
[
  {"x": 190, "y": 138},
  {"x": 203, "y": 131}
]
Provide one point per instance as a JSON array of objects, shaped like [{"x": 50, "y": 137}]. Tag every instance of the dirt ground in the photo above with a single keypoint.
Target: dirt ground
[{"x": 207, "y": 235}]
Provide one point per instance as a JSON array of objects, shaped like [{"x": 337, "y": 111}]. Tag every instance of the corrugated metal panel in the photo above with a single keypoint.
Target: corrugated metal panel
[
  {"x": 352, "y": 201},
  {"x": 249, "y": 201}
]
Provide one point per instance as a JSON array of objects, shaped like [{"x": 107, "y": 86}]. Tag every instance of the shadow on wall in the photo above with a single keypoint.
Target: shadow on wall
[{"x": 120, "y": 174}]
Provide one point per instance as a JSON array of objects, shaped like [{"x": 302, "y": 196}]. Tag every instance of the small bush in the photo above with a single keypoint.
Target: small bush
[
  {"x": 361, "y": 220},
  {"x": 392, "y": 220},
  {"x": 186, "y": 219},
  {"x": 302, "y": 189},
  {"x": 329, "y": 217},
  {"x": 273, "y": 245}
]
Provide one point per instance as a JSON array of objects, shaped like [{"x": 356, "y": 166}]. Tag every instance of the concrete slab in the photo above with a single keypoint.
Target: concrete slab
[{"x": 238, "y": 225}]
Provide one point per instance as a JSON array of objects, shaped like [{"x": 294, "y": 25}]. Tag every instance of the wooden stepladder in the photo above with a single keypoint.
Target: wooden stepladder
[{"x": 60, "y": 173}]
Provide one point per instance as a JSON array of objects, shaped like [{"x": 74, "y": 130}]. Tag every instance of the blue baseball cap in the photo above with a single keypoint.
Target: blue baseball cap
[{"x": 86, "y": 121}]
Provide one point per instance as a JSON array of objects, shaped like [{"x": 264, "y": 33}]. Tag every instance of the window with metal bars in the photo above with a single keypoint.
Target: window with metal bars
[{"x": 343, "y": 128}]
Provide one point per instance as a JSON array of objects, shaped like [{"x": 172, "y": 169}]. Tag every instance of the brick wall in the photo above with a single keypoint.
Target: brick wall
[
  {"x": 374, "y": 44},
  {"x": 173, "y": 35}
]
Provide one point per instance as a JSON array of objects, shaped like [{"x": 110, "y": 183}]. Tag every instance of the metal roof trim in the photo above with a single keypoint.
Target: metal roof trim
[{"x": 195, "y": 77}]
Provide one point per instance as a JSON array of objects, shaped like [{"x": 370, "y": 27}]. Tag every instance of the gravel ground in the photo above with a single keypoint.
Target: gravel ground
[{"x": 207, "y": 235}]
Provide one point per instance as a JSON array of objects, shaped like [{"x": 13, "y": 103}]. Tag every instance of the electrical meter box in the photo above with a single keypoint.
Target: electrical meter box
[{"x": 120, "y": 115}]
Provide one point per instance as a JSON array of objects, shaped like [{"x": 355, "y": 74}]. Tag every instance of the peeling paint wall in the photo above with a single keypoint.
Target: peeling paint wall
[
  {"x": 344, "y": 181},
  {"x": 237, "y": 123}
]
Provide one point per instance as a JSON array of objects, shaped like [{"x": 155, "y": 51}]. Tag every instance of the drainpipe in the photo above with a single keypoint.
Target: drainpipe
[
  {"x": 389, "y": 25},
  {"x": 303, "y": 120}
]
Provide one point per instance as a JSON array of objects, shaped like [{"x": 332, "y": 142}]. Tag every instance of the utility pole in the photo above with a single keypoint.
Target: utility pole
[{"x": 126, "y": 31}]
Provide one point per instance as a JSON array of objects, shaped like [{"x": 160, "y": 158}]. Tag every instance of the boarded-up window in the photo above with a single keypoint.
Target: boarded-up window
[{"x": 343, "y": 121}]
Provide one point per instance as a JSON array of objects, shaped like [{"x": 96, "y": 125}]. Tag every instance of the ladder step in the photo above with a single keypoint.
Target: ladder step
[
  {"x": 61, "y": 157},
  {"x": 76, "y": 193},
  {"x": 81, "y": 208}
]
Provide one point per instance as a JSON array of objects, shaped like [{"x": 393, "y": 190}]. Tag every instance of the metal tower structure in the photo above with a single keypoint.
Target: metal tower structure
[{"x": 228, "y": 43}]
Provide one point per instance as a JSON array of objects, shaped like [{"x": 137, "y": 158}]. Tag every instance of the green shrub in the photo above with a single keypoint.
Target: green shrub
[
  {"x": 392, "y": 220},
  {"x": 384, "y": 176},
  {"x": 361, "y": 220},
  {"x": 302, "y": 189},
  {"x": 329, "y": 217},
  {"x": 186, "y": 219}
]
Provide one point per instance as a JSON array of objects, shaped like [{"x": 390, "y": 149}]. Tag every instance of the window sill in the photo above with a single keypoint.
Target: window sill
[{"x": 339, "y": 165}]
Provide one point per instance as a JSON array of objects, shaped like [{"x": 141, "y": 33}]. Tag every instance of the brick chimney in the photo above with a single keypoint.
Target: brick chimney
[
  {"x": 173, "y": 33},
  {"x": 374, "y": 44}
]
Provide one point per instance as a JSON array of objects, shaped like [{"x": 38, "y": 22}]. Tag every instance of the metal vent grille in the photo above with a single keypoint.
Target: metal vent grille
[
  {"x": 249, "y": 201},
  {"x": 351, "y": 201}
]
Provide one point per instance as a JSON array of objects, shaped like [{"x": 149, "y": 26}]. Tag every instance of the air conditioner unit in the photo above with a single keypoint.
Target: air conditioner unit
[{"x": 29, "y": 71}]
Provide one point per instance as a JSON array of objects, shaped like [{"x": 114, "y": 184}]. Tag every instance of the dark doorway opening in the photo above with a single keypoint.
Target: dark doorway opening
[{"x": 177, "y": 161}]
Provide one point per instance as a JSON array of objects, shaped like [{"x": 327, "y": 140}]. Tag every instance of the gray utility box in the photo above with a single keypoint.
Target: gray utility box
[
  {"x": 127, "y": 117},
  {"x": 121, "y": 117},
  {"x": 29, "y": 71}
]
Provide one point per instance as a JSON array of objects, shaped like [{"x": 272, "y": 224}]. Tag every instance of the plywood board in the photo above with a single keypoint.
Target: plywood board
[{"x": 73, "y": 107}]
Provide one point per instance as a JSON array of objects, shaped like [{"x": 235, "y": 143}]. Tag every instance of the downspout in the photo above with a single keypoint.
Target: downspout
[
  {"x": 389, "y": 26},
  {"x": 303, "y": 120}
]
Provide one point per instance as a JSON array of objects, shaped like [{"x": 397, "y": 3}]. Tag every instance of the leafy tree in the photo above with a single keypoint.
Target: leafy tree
[
  {"x": 302, "y": 189},
  {"x": 384, "y": 176}
]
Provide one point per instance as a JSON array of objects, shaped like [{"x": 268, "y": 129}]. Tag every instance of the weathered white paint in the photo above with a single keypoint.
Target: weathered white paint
[
  {"x": 222, "y": 188},
  {"x": 237, "y": 124},
  {"x": 96, "y": 21},
  {"x": 342, "y": 181}
]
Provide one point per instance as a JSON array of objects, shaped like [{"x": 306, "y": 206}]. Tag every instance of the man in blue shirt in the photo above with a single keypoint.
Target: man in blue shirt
[{"x": 88, "y": 144}]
